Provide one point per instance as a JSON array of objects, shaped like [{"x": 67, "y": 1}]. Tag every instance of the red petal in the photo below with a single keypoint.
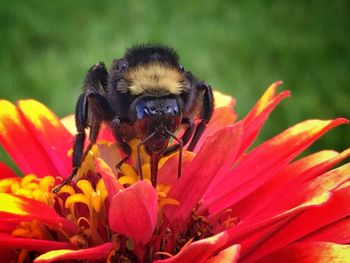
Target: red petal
[
  {"x": 256, "y": 118},
  {"x": 310, "y": 252},
  {"x": 218, "y": 151},
  {"x": 111, "y": 183},
  {"x": 260, "y": 227},
  {"x": 7, "y": 227},
  {"x": 167, "y": 174},
  {"x": 290, "y": 178},
  {"x": 105, "y": 133},
  {"x": 337, "y": 232},
  {"x": 305, "y": 223},
  {"x": 18, "y": 208},
  {"x": 221, "y": 117},
  {"x": 264, "y": 162},
  {"x": 94, "y": 253},
  {"x": 198, "y": 251},
  {"x": 49, "y": 131},
  {"x": 69, "y": 123},
  {"x": 230, "y": 254},
  {"x": 309, "y": 189},
  {"x": 25, "y": 147},
  {"x": 133, "y": 211},
  {"x": 6, "y": 172},
  {"x": 11, "y": 242},
  {"x": 222, "y": 100}
]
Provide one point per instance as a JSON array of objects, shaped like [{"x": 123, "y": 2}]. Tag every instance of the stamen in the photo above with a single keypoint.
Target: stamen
[
  {"x": 30, "y": 186},
  {"x": 129, "y": 175},
  {"x": 85, "y": 186},
  {"x": 89, "y": 162},
  {"x": 101, "y": 189},
  {"x": 163, "y": 200},
  {"x": 7, "y": 184},
  {"x": 90, "y": 197},
  {"x": 68, "y": 189},
  {"x": 76, "y": 198}
]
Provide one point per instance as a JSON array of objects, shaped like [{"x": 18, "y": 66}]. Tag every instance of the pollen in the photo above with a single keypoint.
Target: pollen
[{"x": 32, "y": 229}]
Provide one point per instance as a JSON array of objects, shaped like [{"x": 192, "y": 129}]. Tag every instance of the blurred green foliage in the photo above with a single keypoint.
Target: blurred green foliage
[{"x": 239, "y": 47}]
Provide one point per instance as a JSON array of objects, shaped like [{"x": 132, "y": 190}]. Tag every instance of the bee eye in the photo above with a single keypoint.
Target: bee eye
[
  {"x": 122, "y": 66},
  {"x": 181, "y": 67}
]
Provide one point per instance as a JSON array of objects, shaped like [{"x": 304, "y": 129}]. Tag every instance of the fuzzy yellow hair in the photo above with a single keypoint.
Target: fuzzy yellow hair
[{"x": 155, "y": 78}]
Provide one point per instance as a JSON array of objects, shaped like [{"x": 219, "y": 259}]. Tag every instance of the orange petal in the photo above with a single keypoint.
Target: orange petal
[
  {"x": 335, "y": 209},
  {"x": 198, "y": 251},
  {"x": 264, "y": 101},
  {"x": 223, "y": 100},
  {"x": 50, "y": 133},
  {"x": 31, "y": 154},
  {"x": 219, "y": 151},
  {"x": 288, "y": 180},
  {"x": 105, "y": 133},
  {"x": 94, "y": 253},
  {"x": 321, "y": 252},
  {"x": 337, "y": 232},
  {"x": 256, "y": 118},
  {"x": 260, "y": 227},
  {"x": 18, "y": 208},
  {"x": 11, "y": 242},
  {"x": 267, "y": 160},
  {"x": 222, "y": 117},
  {"x": 69, "y": 123},
  {"x": 230, "y": 254}
]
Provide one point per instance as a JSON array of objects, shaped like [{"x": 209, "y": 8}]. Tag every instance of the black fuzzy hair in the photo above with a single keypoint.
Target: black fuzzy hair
[{"x": 145, "y": 53}]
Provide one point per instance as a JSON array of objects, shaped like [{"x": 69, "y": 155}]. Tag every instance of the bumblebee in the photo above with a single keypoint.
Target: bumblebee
[{"x": 148, "y": 95}]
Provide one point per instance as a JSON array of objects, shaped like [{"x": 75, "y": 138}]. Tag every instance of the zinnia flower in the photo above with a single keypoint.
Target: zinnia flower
[{"x": 233, "y": 203}]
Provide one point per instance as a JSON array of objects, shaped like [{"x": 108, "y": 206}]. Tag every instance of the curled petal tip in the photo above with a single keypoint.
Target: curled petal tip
[
  {"x": 342, "y": 120},
  {"x": 278, "y": 83}
]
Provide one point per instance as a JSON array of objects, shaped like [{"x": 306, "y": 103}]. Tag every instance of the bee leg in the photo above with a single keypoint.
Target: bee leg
[
  {"x": 154, "y": 162},
  {"x": 178, "y": 147},
  {"x": 81, "y": 124},
  {"x": 180, "y": 142},
  {"x": 206, "y": 112},
  {"x": 91, "y": 102},
  {"x": 117, "y": 124},
  {"x": 184, "y": 139}
]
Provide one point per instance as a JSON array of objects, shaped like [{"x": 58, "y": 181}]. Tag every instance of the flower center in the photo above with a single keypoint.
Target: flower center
[{"x": 84, "y": 204}]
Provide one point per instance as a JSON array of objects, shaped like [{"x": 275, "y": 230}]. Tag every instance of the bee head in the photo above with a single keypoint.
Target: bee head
[{"x": 156, "y": 119}]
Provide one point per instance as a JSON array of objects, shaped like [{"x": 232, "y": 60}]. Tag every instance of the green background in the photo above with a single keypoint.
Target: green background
[{"x": 239, "y": 47}]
